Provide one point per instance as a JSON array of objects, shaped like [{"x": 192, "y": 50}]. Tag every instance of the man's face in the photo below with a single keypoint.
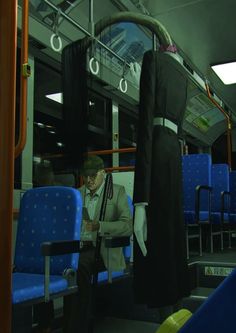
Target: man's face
[{"x": 93, "y": 182}]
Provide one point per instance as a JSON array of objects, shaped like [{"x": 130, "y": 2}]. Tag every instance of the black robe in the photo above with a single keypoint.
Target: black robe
[
  {"x": 75, "y": 99},
  {"x": 160, "y": 278}
]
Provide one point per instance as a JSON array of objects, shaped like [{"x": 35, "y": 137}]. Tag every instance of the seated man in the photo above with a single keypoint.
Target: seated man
[{"x": 117, "y": 222}]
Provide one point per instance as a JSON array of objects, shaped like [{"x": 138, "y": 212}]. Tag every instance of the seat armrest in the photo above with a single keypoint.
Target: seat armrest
[
  {"x": 225, "y": 194},
  {"x": 60, "y": 247},
  {"x": 224, "y": 209},
  {"x": 199, "y": 190},
  {"x": 112, "y": 242},
  {"x": 54, "y": 249}
]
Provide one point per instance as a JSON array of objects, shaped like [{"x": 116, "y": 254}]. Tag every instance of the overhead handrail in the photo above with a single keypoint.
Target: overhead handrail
[
  {"x": 8, "y": 47},
  {"x": 83, "y": 30},
  {"x": 25, "y": 73},
  {"x": 229, "y": 125},
  {"x": 152, "y": 24}
]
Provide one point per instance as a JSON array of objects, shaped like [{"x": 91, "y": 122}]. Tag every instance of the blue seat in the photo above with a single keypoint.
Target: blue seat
[
  {"x": 197, "y": 195},
  {"x": 128, "y": 249},
  {"x": 217, "y": 314},
  {"x": 50, "y": 216},
  {"x": 232, "y": 215}
]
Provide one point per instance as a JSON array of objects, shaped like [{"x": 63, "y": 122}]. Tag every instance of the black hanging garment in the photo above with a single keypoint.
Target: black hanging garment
[
  {"x": 75, "y": 99},
  {"x": 160, "y": 278}
]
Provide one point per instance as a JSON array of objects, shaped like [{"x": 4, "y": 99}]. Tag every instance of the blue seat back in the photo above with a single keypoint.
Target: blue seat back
[
  {"x": 220, "y": 182},
  {"x": 232, "y": 188},
  {"x": 130, "y": 203},
  {"x": 47, "y": 214},
  {"x": 217, "y": 314},
  {"x": 127, "y": 250},
  {"x": 196, "y": 171}
]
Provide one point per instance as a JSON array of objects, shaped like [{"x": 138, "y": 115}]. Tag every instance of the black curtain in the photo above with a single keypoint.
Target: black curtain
[{"x": 75, "y": 100}]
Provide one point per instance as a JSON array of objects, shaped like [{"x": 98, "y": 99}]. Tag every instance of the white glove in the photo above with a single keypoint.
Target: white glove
[
  {"x": 135, "y": 72},
  {"x": 140, "y": 227}
]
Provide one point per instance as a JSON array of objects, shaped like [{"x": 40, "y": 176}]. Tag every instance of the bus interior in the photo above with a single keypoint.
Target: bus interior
[{"x": 203, "y": 32}]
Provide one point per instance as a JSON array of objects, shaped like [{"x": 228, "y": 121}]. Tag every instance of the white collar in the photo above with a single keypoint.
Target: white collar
[{"x": 176, "y": 56}]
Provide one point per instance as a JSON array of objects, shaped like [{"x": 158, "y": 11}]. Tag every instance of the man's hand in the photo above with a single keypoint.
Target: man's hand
[
  {"x": 140, "y": 227},
  {"x": 91, "y": 225}
]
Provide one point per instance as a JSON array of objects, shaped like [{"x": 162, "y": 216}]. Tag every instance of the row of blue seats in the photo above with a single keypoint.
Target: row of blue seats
[
  {"x": 44, "y": 265},
  {"x": 209, "y": 198},
  {"x": 210, "y": 201}
]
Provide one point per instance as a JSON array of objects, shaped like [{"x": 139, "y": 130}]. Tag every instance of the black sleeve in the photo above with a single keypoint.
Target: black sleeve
[{"x": 144, "y": 141}]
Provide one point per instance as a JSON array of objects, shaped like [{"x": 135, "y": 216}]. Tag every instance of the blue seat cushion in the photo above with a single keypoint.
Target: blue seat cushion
[
  {"x": 232, "y": 218},
  {"x": 31, "y": 286},
  {"x": 216, "y": 217},
  {"x": 127, "y": 252},
  {"x": 103, "y": 276},
  {"x": 189, "y": 216}
]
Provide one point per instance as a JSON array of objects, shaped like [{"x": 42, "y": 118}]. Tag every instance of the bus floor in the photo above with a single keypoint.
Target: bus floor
[
  {"x": 118, "y": 325},
  {"x": 115, "y": 311},
  {"x": 227, "y": 255}
]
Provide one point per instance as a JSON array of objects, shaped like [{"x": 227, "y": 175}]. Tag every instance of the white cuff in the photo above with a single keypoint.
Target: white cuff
[{"x": 141, "y": 204}]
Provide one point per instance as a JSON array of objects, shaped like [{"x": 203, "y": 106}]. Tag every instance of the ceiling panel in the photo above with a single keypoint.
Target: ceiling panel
[{"x": 204, "y": 30}]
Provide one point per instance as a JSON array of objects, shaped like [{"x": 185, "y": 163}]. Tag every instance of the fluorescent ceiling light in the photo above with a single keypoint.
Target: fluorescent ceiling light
[
  {"x": 56, "y": 97},
  {"x": 226, "y": 72}
]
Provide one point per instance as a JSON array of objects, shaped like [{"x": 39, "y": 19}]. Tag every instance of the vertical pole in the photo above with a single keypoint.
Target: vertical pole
[
  {"x": 23, "y": 79},
  {"x": 115, "y": 132},
  {"x": 229, "y": 142},
  {"x": 8, "y": 45},
  {"x": 91, "y": 19},
  {"x": 154, "y": 42}
]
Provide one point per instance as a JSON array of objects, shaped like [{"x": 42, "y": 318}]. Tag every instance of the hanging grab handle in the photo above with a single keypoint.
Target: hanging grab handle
[
  {"x": 55, "y": 34},
  {"x": 95, "y": 70},
  {"x": 56, "y": 48},
  {"x": 123, "y": 85}
]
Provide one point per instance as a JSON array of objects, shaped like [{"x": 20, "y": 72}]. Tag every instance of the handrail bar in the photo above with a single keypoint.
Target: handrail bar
[
  {"x": 152, "y": 24},
  {"x": 23, "y": 81},
  {"x": 111, "y": 151},
  {"x": 120, "y": 168},
  {"x": 115, "y": 168}
]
